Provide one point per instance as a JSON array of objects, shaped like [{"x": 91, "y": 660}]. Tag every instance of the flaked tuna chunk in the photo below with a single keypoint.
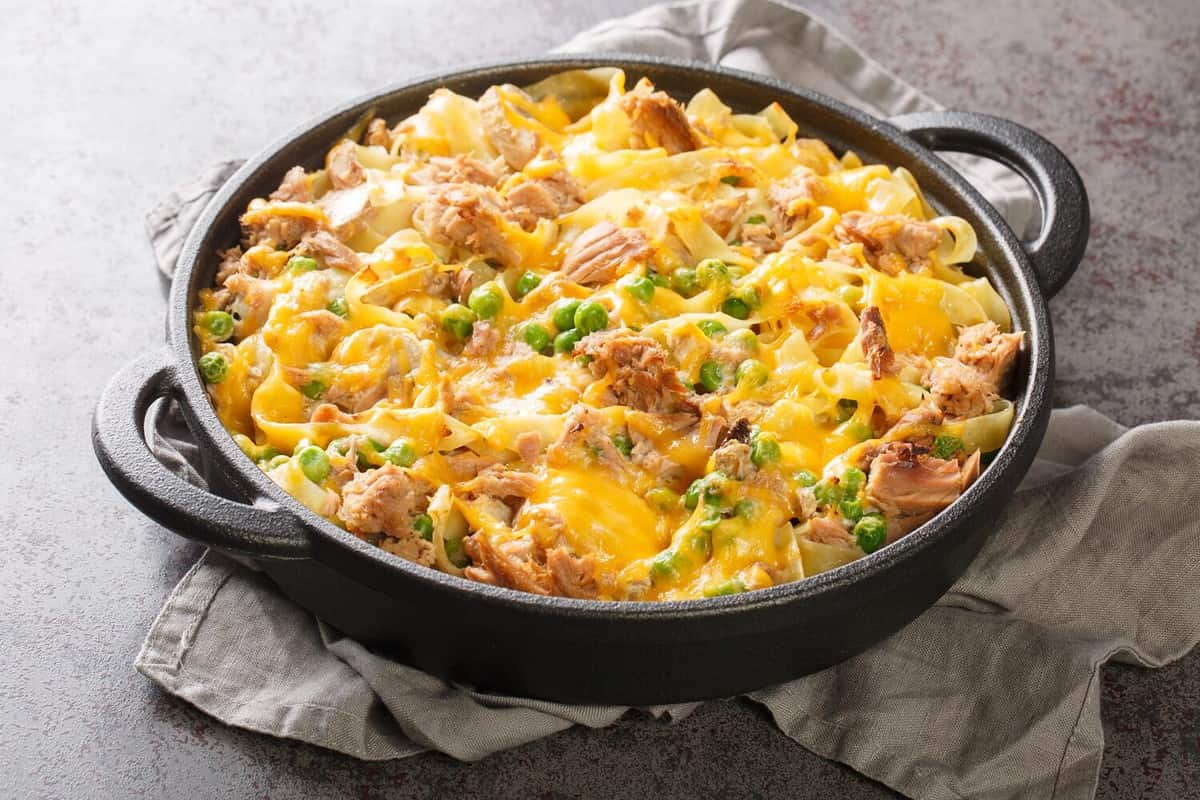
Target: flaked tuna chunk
[
  {"x": 574, "y": 576},
  {"x": 467, "y": 216},
  {"x": 873, "y": 338},
  {"x": 378, "y": 134},
  {"x": 459, "y": 169},
  {"x": 229, "y": 263},
  {"x": 585, "y": 440},
  {"x": 891, "y": 243},
  {"x": 294, "y": 188},
  {"x": 516, "y": 563},
  {"x": 828, "y": 531},
  {"x": 343, "y": 167},
  {"x": 546, "y": 197},
  {"x": 959, "y": 390},
  {"x": 910, "y": 486},
  {"x": 792, "y": 199},
  {"x": 660, "y": 121},
  {"x": 384, "y": 501},
  {"x": 968, "y": 384},
  {"x": 733, "y": 458},
  {"x": 984, "y": 348},
  {"x": 249, "y": 302},
  {"x": 596, "y": 255},
  {"x": 330, "y": 250},
  {"x": 501, "y": 483},
  {"x": 639, "y": 372},
  {"x": 721, "y": 215},
  {"x": 517, "y": 145},
  {"x": 761, "y": 237}
]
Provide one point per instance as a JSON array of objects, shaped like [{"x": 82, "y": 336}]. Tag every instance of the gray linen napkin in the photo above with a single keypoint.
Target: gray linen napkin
[{"x": 992, "y": 693}]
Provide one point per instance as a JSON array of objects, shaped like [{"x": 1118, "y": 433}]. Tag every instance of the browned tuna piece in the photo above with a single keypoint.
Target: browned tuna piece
[
  {"x": 384, "y": 500},
  {"x": 968, "y": 384},
  {"x": 468, "y": 216},
  {"x": 660, "y": 121},
  {"x": 517, "y": 145},
  {"x": 891, "y": 243},
  {"x": 516, "y": 563},
  {"x": 873, "y": 337},
  {"x": 640, "y": 374},
  {"x": 294, "y": 188},
  {"x": 330, "y": 250},
  {"x": 343, "y": 167},
  {"x": 544, "y": 198},
  {"x": 574, "y": 576},
  {"x": 910, "y": 486},
  {"x": 459, "y": 169},
  {"x": 594, "y": 257},
  {"x": 984, "y": 348}
]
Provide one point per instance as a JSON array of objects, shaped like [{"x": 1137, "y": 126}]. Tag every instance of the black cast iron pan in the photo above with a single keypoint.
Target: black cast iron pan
[{"x": 592, "y": 651}]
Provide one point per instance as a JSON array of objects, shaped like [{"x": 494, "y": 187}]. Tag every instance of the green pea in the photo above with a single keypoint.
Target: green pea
[
  {"x": 527, "y": 283},
  {"x": 712, "y": 271},
  {"x": 275, "y": 462},
  {"x": 736, "y": 308},
  {"x": 691, "y": 498},
  {"x": 756, "y": 219},
  {"x": 851, "y": 295},
  {"x": 299, "y": 264},
  {"x": 745, "y": 508},
  {"x": 764, "y": 450},
  {"x": 806, "y": 478},
  {"x": 459, "y": 321},
  {"x": 731, "y": 586},
  {"x": 852, "y": 480},
  {"x": 339, "y": 307},
  {"x": 946, "y": 446},
  {"x": 564, "y": 314},
  {"x": 751, "y": 372},
  {"x": 623, "y": 443},
  {"x": 641, "y": 289},
  {"x": 214, "y": 368},
  {"x": 744, "y": 338},
  {"x": 712, "y": 490},
  {"x": 591, "y": 317},
  {"x": 684, "y": 281},
  {"x": 662, "y": 498},
  {"x": 217, "y": 323},
  {"x": 314, "y": 463},
  {"x": 748, "y": 295},
  {"x": 711, "y": 327},
  {"x": 846, "y": 409},
  {"x": 732, "y": 180},
  {"x": 400, "y": 453},
  {"x": 712, "y": 519},
  {"x": 665, "y": 565},
  {"x": 858, "y": 431},
  {"x": 565, "y": 342},
  {"x": 851, "y": 509},
  {"x": 871, "y": 532},
  {"x": 454, "y": 552},
  {"x": 828, "y": 493},
  {"x": 313, "y": 389},
  {"x": 658, "y": 280},
  {"x": 422, "y": 525},
  {"x": 711, "y": 375},
  {"x": 485, "y": 301},
  {"x": 537, "y": 337}
]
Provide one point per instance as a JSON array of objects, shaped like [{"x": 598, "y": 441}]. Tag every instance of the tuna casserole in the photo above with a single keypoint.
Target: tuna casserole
[{"x": 584, "y": 340}]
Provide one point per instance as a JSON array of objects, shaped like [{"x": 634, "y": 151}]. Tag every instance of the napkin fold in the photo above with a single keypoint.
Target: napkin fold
[{"x": 992, "y": 693}]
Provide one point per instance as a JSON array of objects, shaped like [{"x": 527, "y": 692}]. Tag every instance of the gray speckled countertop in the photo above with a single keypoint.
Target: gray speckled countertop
[{"x": 106, "y": 108}]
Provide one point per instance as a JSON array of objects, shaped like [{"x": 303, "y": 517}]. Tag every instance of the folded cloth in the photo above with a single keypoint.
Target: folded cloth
[{"x": 994, "y": 692}]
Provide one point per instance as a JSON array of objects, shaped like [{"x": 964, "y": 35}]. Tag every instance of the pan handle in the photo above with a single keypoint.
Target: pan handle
[
  {"x": 1058, "y": 249},
  {"x": 119, "y": 440}
]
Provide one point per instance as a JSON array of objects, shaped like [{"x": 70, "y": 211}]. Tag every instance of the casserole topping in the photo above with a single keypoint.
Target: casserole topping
[{"x": 581, "y": 340}]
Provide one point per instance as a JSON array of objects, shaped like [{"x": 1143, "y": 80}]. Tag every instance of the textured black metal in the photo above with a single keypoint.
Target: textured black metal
[
  {"x": 560, "y": 648},
  {"x": 1062, "y": 240}
]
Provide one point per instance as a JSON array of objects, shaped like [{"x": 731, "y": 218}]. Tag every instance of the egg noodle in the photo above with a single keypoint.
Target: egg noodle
[{"x": 581, "y": 340}]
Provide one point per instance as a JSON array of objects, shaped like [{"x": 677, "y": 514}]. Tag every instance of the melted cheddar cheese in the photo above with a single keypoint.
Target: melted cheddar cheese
[{"x": 396, "y": 340}]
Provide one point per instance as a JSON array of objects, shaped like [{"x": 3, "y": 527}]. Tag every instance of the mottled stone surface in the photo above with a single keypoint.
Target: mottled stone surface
[{"x": 107, "y": 108}]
